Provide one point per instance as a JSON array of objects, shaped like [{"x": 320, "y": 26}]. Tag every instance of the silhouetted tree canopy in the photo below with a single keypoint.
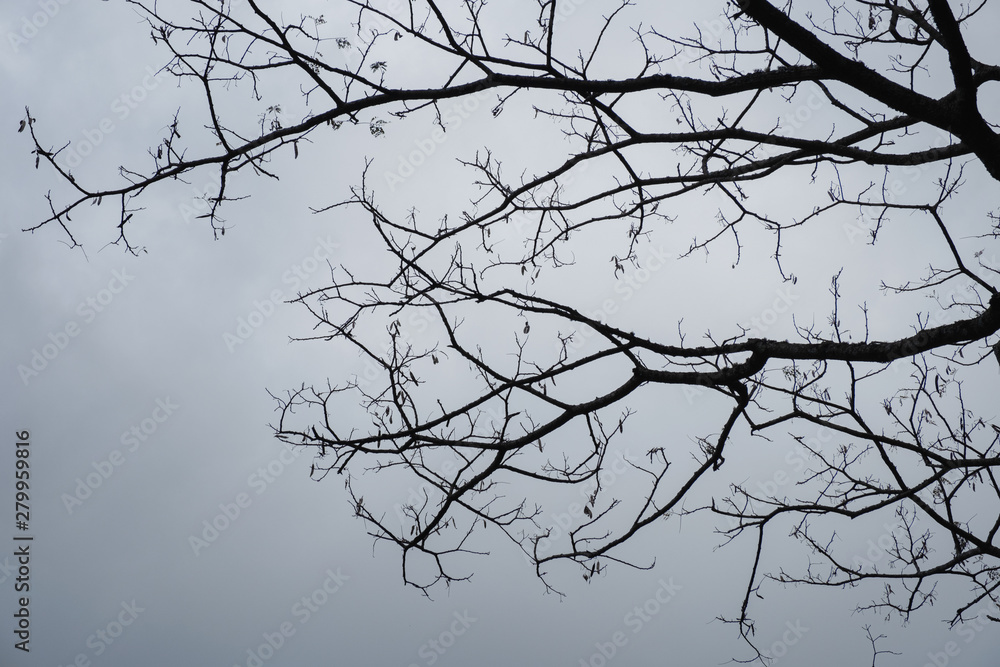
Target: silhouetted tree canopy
[{"x": 495, "y": 385}]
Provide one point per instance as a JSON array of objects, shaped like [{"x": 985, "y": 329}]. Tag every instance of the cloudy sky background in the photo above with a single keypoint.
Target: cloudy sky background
[{"x": 159, "y": 340}]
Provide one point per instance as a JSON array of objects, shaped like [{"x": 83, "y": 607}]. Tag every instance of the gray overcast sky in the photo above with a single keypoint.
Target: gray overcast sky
[{"x": 149, "y": 424}]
